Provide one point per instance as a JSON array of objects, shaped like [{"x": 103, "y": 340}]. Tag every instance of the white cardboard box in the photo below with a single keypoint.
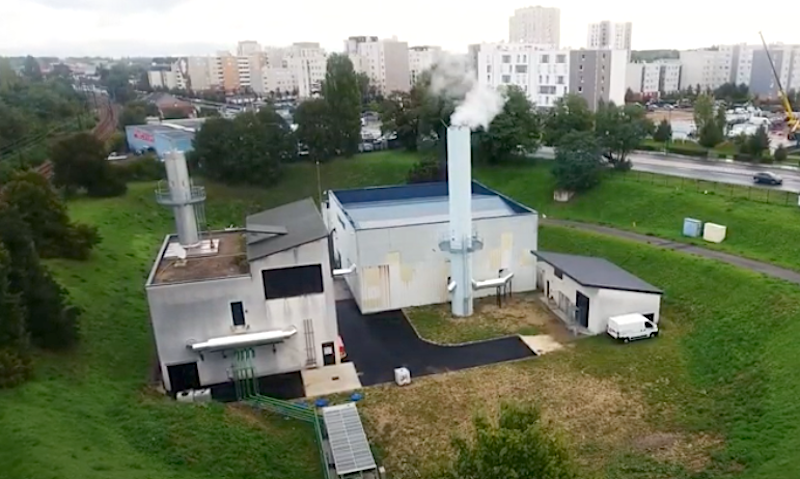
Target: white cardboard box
[{"x": 714, "y": 233}]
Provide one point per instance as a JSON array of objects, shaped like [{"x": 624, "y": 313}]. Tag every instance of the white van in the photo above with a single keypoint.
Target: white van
[{"x": 631, "y": 326}]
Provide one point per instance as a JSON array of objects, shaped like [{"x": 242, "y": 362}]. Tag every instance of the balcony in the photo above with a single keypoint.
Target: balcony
[{"x": 197, "y": 194}]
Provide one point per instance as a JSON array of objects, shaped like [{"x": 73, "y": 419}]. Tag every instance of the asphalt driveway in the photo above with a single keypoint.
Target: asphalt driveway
[{"x": 379, "y": 343}]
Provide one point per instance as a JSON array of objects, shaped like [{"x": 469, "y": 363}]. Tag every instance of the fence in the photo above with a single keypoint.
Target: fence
[{"x": 752, "y": 193}]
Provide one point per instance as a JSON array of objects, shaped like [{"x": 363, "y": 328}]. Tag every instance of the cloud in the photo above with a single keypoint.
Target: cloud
[{"x": 118, "y": 6}]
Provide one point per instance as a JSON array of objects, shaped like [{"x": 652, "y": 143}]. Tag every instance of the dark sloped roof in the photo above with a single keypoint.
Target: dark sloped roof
[
  {"x": 301, "y": 219},
  {"x": 596, "y": 272}
]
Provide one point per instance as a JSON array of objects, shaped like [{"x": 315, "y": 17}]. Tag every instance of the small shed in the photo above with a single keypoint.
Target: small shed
[{"x": 588, "y": 290}]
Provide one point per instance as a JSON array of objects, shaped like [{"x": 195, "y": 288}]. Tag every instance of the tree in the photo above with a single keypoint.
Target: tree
[
  {"x": 134, "y": 113},
  {"x": 315, "y": 129},
  {"x": 516, "y": 130},
  {"x": 619, "y": 130},
  {"x": 343, "y": 95},
  {"x": 49, "y": 318},
  {"x": 15, "y": 363},
  {"x": 369, "y": 93},
  {"x": 400, "y": 114},
  {"x": 79, "y": 161},
  {"x": 663, "y": 132},
  {"x": 31, "y": 69},
  {"x": 40, "y": 207},
  {"x": 710, "y": 124},
  {"x": 578, "y": 162},
  {"x": 519, "y": 446},
  {"x": 630, "y": 96},
  {"x": 570, "y": 113},
  {"x": 731, "y": 93},
  {"x": 248, "y": 149},
  {"x": 757, "y": 143}
]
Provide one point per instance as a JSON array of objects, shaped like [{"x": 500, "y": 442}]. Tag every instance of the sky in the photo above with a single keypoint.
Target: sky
[{"x": 197, "y": 27}]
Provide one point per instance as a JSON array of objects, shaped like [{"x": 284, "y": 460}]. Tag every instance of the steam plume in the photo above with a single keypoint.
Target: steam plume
[{"x": 453, "y": 77}]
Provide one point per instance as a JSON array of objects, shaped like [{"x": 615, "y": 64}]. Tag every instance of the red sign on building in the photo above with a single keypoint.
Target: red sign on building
[{"x": 144, "y": 136}]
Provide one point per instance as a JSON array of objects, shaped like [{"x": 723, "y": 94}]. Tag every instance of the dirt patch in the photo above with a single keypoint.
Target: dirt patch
[
  {"x": 596, "y": 415},
  {"x": 680, "y": 115},
  {"x": 693, "y": 451}
]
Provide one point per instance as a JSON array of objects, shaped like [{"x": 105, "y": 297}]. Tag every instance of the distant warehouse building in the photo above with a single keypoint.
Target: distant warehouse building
[
  {"x": 391, "y": 238},
  {"x": 163, "y": 137}
]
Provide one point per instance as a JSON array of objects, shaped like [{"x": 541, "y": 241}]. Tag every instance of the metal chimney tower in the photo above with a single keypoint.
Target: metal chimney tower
[
  {"x": 462, "y": 240},
  {"x": 183, "y": 197}
]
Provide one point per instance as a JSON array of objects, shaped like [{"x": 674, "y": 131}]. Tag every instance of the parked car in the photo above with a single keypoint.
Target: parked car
[
  {"x": 767, "y": 178},
  {"x": 631, "y": 326}
]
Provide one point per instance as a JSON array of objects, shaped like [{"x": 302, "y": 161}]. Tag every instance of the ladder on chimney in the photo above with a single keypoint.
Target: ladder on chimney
[{"x": 311, "y": 351}]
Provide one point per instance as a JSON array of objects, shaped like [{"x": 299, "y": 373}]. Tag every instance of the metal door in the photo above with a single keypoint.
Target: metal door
[{"x": 582, "y": 313}]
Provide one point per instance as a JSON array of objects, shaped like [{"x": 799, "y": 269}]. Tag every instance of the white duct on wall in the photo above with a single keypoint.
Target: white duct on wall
[{"x": 459, "y": 190}]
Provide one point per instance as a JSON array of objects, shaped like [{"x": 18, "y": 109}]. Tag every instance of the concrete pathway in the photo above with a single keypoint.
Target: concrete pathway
[{"x": 752, "y": 265}]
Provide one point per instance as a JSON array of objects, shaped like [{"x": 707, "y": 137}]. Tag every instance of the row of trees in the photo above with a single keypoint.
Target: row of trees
[
  {"x": 34, "y": 309},
  {"x": 252, "y": 147}
]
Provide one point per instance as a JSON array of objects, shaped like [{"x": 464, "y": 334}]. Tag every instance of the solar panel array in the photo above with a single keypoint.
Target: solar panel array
[{"x": 349, "y": 445}]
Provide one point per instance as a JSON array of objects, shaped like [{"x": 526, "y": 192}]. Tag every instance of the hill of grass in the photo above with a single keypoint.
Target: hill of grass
[
  {"x": 89, "y": 414},
  {"x": 733, "y": 366},
  {"x": 757, "y": 230}
]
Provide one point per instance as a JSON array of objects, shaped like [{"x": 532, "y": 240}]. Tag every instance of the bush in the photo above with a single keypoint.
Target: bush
[
  {"x": 648, "y": 146},
  {"x": 685, "y": 149},
  {"x": 722, "y": 156},
  {"x": 146, "y": 168},
  {"x": 425, "y": 171},
  {"x": 15, "y": 368},
  {"x": 111, "y": 185},
  {"x": 743, "y": 157},
  {"x": 780, "y": 154},
  {"x": 79, "y": 241}
]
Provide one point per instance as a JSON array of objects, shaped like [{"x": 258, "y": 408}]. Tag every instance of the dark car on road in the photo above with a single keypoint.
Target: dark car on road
[{"x": 767, "y": 178}]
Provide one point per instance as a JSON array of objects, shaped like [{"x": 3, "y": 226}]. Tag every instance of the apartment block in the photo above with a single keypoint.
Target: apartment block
[
  {"x": 539, "y": 70},
  {"x": 248, "y": 47},
  {"x": 386, "y": 62},
  {"x": 421, "y": 58},
  {"x": 611, "y": 35},
  {"x": 670, "y": 76},
  {"x": 598, "y": 75},
  {"x": 535, "y": 25},
  {"x": 644, "y": 78},
  {"x": 167, "y": 76},
  {"x": 299, "y": 68},
  {"x": 200, "y": 73},
  {"x": 708, "y": 68}
]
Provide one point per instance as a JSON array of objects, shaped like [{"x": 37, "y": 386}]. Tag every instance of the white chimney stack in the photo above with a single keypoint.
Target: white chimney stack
[
  {"x": 181, "y": 196},
  {"x": 459, "y": 190}
]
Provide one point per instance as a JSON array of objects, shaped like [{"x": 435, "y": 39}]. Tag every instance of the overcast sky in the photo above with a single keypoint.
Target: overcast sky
[{"x": 195, "y": 27}]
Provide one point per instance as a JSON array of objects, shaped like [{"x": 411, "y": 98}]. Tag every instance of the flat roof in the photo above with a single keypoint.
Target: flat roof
[
  {"x": 594, "y": 272},
  {"x": 159, "y": 129},
  {"x": 423, "y": 203},
  {"x": 230, "y": 260},
  {"x": 284, "y": 227}
]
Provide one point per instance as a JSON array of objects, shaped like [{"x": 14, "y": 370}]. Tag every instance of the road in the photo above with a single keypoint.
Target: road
[{"x": 718, "y": 171}]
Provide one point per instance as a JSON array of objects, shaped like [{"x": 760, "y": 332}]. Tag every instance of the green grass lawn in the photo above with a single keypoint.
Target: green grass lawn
[
  {"x": 88, "y": 414},
  {"x": 656, "y": 205},
  {"x": 727, "y": 359}
]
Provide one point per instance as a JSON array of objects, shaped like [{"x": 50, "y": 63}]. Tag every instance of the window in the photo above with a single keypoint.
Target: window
[
  {"x": 580, "y": 89},
  {"x": 560, "y": 80},
  {"x": 506, "y": 78},
  {"x": 488, "y": 69},
  {"x": 580, "y": 67},
  {"x": 521, "y": 68},
  {"x": 291, "y": 282},
  {"x": 506, "y": 58},
  {"x": 237, "y": 313},
  {"x": 558, "y": 273},
  {"x": 545, "y": 59},
  {"x": 547, "y": 90},
  {"x": 561, "y": 59}
]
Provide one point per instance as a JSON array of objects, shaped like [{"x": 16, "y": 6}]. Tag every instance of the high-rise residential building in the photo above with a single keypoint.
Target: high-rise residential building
[
  {"x": 299, "y": 68},
  {"x": 248, "y": 47},
  {"x": 385, "y": 62},
  {"x": 644, "y": 78},
  {"x": 200, "y": 73},
  {"x": 225, "y": 71},
  {"x": 708, "y": 68},
  {"x": 420, "y": 59},
  {"x": 167, "y": 76},
  {"x": 539, "y": 70},
  {"x": 535, "y": 25},
  {"x": 598, "y": 75},
  {"x": 670, "y": 76},
  {"x": 611, "y": 35}
]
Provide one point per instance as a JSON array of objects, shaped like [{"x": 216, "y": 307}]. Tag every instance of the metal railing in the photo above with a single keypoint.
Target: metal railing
[
  {"x": 197, "y": 194},
  {"x": 752, "y": 193}
]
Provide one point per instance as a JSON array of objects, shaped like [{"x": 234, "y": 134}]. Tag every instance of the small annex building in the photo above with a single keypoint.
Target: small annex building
[
  {"x": 588, "y": 290},
  {"x": 392, "y": 239}
]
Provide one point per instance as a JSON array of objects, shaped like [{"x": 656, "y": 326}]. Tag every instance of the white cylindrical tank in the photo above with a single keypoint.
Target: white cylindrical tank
[
  {"x": 180, "y": 188},
  {"x": 459, "y": 190}
]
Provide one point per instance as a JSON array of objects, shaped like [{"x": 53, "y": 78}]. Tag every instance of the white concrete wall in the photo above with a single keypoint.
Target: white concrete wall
[
  {"x": 403, "y": 266},
  {"x": 197, "y": 311},
  {"x": 634, "y": 76},
  {"x": 618, "y": 68},
  {"x": 603, "y": 303}
]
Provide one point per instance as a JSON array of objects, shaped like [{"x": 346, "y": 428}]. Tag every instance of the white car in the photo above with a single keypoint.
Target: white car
[{"x": 629, "y": 327}]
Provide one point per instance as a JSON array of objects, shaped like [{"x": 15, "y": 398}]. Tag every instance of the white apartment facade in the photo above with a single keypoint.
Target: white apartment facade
[
  {"x": 421, "y": 58},
  {"x": 644, "y": 78},
  {"x": 535, "y": 25},
  {"x": 670, "y": 76},
  {"x": 385, "y": 62},
  {"x": 167, "y": 77},
  {"x": 611, "y": 35},
  {"x": 538, "y": 70},
  {"x": 298, "y": 68},
  {"x": 707, "y": 68},
  {"x": 200, "y": 73},
  {"x": 248, "y": 47}
]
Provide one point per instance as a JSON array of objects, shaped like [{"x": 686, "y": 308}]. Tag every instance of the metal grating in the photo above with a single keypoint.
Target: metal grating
[{"x": 351, "y": 452}]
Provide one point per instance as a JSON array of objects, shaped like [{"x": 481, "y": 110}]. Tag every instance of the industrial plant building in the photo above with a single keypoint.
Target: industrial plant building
[
  {"x": 397, "y": 239},
  {"x": 586, "y": 290},
  {"x": 236, "y": 303},
  {"x": 163, "y": 137}
]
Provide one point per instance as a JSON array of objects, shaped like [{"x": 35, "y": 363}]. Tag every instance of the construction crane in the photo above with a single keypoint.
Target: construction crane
[{"x": 791, "y": 118}]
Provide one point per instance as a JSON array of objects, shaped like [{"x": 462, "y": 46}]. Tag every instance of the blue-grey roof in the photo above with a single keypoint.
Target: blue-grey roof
[
  {"x": 594, "y": 272},
  {"x": 301, "y": 221},
  {"x": 422, "y": 203}
]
